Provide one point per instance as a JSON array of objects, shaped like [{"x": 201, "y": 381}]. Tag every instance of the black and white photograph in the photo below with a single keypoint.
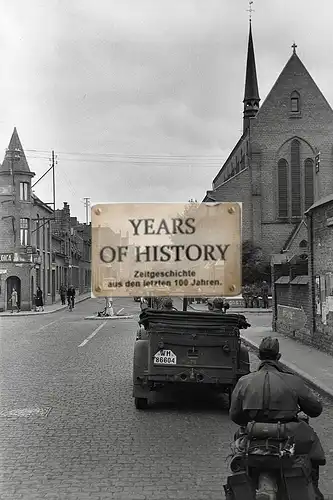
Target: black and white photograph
[{"x": 166, "y": 250}]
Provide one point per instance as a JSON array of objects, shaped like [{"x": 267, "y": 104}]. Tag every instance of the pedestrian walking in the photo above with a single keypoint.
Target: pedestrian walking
[
  {"x": 246, "y": 295},
  {"x": 264, "y": 295},
  {"x": 71, "y": 297},
  {"x": 62, "y": 293},
  {"x": 39, "y": 299},
  {"x": 14, "y": 300}
]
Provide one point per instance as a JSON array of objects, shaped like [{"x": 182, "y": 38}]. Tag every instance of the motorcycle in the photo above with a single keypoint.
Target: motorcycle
[{"x": 270, "y": 464}]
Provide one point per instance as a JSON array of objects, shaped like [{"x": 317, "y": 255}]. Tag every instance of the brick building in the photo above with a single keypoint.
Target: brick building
[
  {"x": 303, "y": 280},
  {"x": 32, "y": 250},
  {"x": 272, "y": 169}
]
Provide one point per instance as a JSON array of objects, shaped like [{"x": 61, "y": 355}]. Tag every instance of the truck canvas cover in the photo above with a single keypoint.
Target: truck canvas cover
[{"x": 191, "y": 346}]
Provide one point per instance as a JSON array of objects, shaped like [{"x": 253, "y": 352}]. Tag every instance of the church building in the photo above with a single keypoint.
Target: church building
[{"x": 283, "y": 162}]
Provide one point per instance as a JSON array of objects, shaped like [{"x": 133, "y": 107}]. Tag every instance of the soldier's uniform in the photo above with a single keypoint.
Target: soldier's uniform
[{"x": 276, "y": 395}]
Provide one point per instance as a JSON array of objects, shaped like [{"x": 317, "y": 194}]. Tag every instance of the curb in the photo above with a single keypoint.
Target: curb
[
  {"x": 313, "y": 382},
  {"x": 240, "y": 311},
  {"x": 108, "y": 318},
  {"x": 33, "y": 313}
]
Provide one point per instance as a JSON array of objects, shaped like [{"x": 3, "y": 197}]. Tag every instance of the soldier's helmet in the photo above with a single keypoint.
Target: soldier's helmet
[
  {"x": 218, "y": 303},
  {"x": 167, "y": 303},
  {"x": 269, "y": 347}
]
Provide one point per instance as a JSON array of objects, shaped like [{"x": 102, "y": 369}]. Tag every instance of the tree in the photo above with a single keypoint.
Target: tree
[{"x": 255, "y": 267}]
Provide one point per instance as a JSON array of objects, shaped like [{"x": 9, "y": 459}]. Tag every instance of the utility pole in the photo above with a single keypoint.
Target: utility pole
[
  {"x": 87, "y": 205},
  {"x": 53, "y": 182}
]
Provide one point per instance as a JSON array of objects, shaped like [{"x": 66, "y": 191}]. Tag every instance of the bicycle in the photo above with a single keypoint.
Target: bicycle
[{"x": 70, "y": 303}]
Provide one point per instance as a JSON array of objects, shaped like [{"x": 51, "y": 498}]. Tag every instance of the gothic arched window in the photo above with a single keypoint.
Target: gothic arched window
[
  {"x": 308, "y": 183},
  {"x": 295, "y": 179},
  {"x": 295, "y": 102},
  {"x": 283, "y": 188}
]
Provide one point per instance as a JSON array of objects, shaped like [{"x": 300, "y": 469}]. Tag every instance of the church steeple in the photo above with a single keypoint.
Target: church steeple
[{"x": 251, "y": 94}]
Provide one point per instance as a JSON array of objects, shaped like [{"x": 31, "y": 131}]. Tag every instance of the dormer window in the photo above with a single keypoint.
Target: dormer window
[{"x": 294, "y": 102}]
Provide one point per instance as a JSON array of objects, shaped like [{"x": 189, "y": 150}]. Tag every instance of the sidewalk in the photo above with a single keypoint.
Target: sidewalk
[
  {"x": 314, "y": 366},
  {"x": 48, "y": 309}
]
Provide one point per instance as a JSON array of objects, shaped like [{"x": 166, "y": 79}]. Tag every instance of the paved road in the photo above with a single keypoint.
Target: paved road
[{"x": 93, "y": 444}]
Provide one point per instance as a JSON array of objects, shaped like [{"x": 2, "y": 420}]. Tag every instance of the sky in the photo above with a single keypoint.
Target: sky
[{"x": 141, "y": 100}]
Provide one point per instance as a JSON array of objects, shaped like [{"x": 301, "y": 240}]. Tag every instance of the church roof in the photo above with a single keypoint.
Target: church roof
[
  {"x": 251, "y": 81},
  {"x": 15, "y": 152},
  {"x": 323, "y": 201},
  {"x": 294, "y": 66},
  {"x": 291, "y": 238}
]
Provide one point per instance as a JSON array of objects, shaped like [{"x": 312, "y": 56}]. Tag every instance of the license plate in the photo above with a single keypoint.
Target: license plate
[{"x": 165, "y": 357}]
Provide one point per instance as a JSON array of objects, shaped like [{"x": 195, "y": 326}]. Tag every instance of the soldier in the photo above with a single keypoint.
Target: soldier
[
  {"x": 285, "y": 395},
  {"x": 210, "y": 305},
  {"x": 167, "y": 305},
  {"x": 218, "y": 304}
]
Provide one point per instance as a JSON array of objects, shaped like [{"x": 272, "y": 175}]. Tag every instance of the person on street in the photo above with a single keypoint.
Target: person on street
[
  {"x": 167, "y": 305},
  {"x": 62, "y": 293},
  {"x": 39, "y": 299},
  {"x": 14, "y": 300},
  {"x": 210, "y": 305},
  {"x": 277, "y": 395},
  {"x": 264, "y": 294},
  {"x": 71, "y": 296},
  {"x": 246, "y": 295},
  {"x": 143, "y": 304}
]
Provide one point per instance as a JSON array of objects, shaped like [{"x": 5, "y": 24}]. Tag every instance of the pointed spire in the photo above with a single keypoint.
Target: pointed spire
[
  {"x": 14, "y": 156},
  {"x": 251, "y": 94}
]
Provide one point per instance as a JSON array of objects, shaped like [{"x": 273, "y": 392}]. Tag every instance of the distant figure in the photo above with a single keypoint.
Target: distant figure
[
  {"x": 143, "y": 304},
  {"x": 167, "y": 305},
  {"x": 14, "y": 300},
  {"x": 246, "y": 295},
  {"x": 264, "y": 294},
  {"x": 109, "y": 306},
  {"x": 39, "y": 299},
  {"x": 71, "y": 296},
  {"x": 62, "y": 293},
  {"x": 218, "y": 305},
  {"x": 210, "y": 305}
]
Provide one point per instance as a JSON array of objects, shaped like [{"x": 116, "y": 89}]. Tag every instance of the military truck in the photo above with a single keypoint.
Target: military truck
[{"x": 185, "y": 349}]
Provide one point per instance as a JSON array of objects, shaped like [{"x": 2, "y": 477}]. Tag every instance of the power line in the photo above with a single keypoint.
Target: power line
[
  {"x": 157, "y": 163},
  {"x": 139, "y": 156}
]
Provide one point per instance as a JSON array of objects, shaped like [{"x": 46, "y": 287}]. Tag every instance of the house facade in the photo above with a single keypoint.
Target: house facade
[{"x": 32, "y": 250}]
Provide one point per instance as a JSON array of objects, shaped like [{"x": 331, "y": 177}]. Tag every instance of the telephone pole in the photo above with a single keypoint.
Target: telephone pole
[
  {"x": 53, "y": 179},
  {"x": 87, "y": 205}
]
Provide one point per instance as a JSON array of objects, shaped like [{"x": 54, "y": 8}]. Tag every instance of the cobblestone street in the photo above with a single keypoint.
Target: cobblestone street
[{"x": 78, "y": 434}]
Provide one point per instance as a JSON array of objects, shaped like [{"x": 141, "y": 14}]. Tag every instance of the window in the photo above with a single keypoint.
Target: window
[
  {"x": 283, "y": 188},
  {"x": 308, "y": 183},
  {"x": 294, "y": 105},
  {"x": 24, "y": 191},
  {"x": 24, "y": 232},
  {"x": 294, "y": 102},
  {"x": 295, "y": 179}
]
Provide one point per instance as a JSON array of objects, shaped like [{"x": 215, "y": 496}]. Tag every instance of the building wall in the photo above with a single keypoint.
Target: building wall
[
  {"x": 269, "y": 139},
  {"x": 305, "y": 312},
  {"x": 237, "y": 189},
  {"x": 237, "y": 161},
  {"x": 321, "y": 273},
  {"x": 21, "y": 263}
]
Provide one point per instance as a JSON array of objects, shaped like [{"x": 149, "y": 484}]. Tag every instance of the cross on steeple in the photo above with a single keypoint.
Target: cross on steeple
[
  {"x": 250, "y": 10},
  {"x": 294, "y": 46}
]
